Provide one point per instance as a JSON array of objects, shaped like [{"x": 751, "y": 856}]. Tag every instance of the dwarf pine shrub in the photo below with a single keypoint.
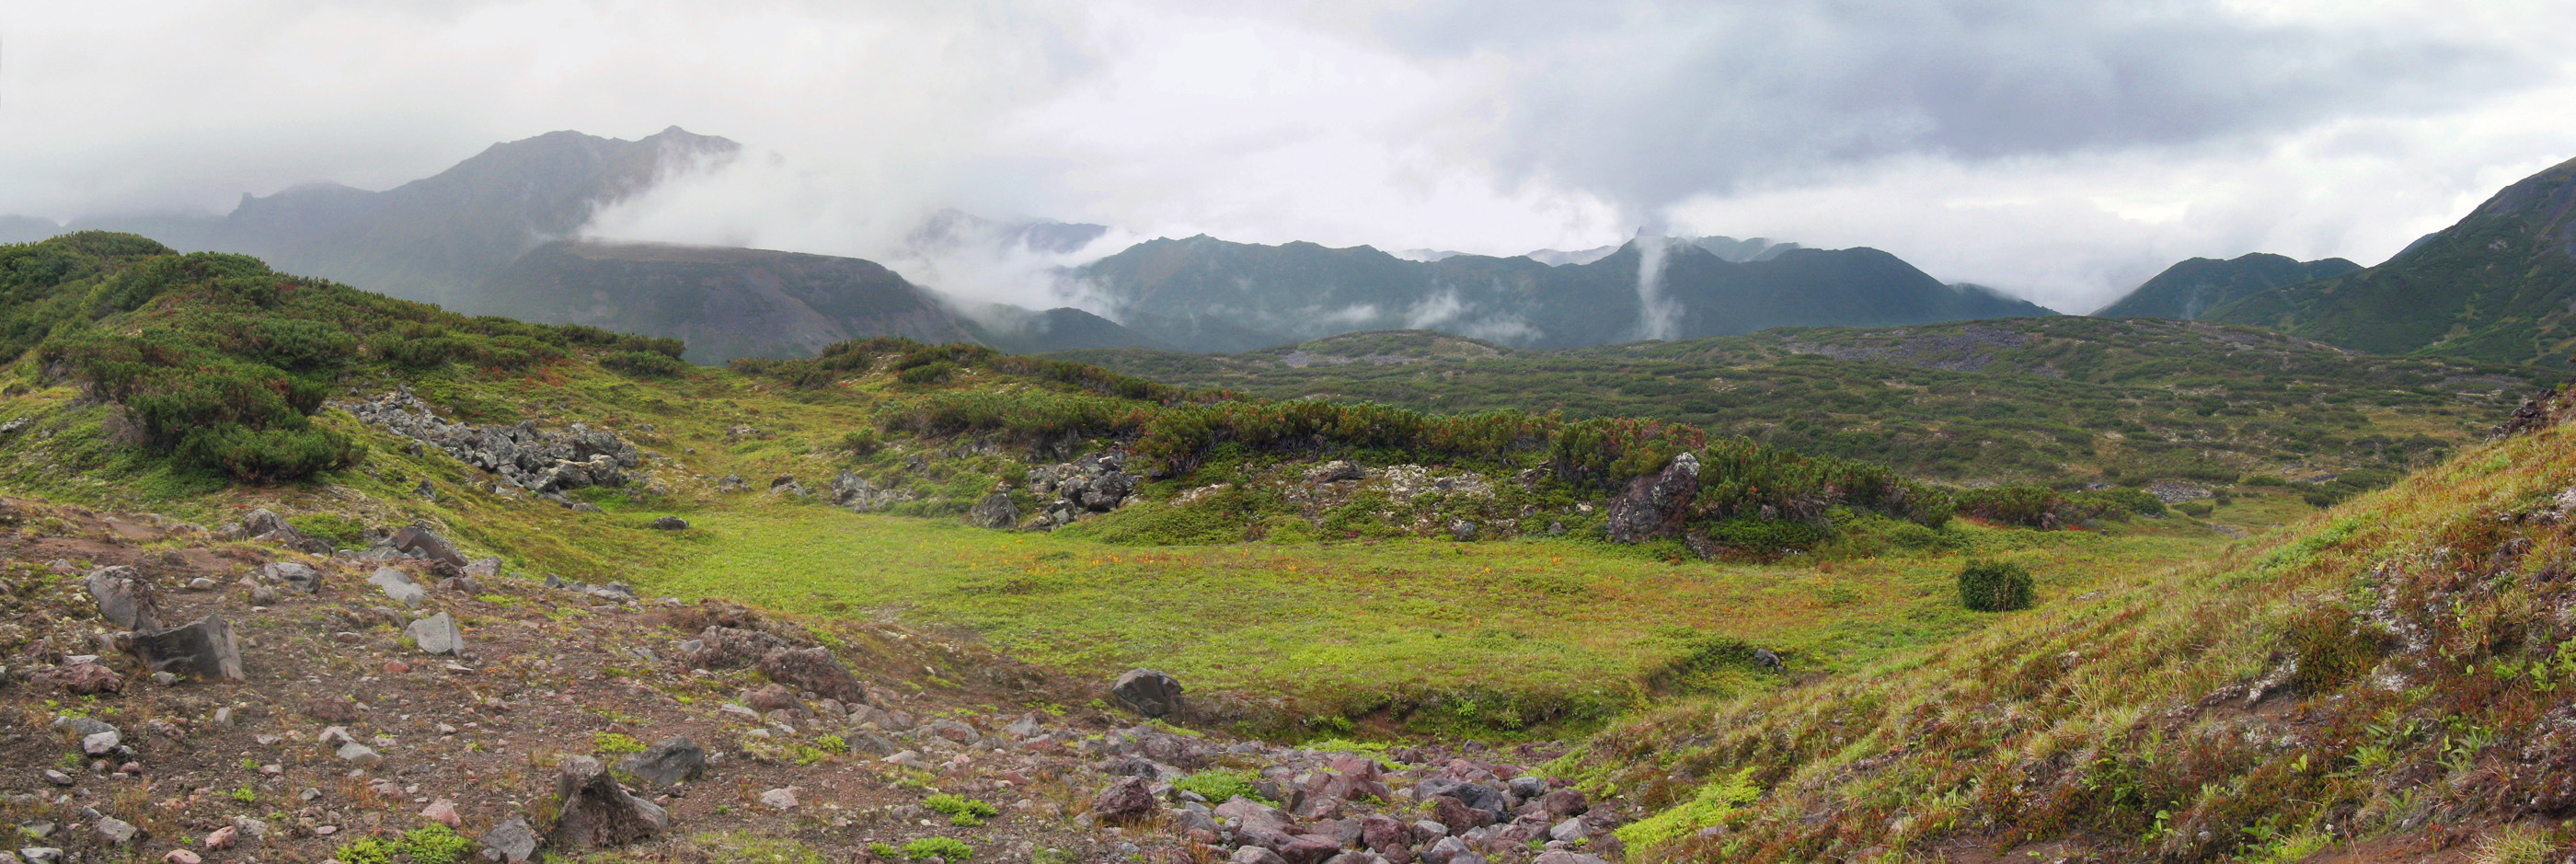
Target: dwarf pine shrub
[{"x": 1995, "y": 586}]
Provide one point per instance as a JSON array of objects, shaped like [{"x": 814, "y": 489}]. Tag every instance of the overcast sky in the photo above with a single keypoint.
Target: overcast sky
[{"x": 2062, "y": 150}]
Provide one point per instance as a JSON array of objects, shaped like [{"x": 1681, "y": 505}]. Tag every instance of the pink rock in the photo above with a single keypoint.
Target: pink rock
[
  {"x": 222, "y": 838},
  {"x": 442, "y": 812},
  {"x": 182, "y": 856}
]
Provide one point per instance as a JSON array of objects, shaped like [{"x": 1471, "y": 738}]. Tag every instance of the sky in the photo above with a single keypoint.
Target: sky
[{"x": 2060, "y": 150}]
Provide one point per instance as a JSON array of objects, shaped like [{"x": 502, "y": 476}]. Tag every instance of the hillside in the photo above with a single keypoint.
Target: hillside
[
  {"x": 2187, "y": 290},
  {"x": 2066, "y": 400},
  {"x": 1204, "y": 294},
  {"x": 2499, "y": 286}
]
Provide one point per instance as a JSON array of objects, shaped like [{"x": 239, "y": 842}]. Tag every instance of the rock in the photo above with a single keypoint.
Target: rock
[
  {"x": 597, "y": 813},
  {"x": 420, "y": 542},
  {"x": 675, "y": 761},
  {"x": 1565, "y": 857},
  {"x": 398, "y": 586},
  {"x": 1124, "y": 801},
  {"x": 1446, "y": 850},
  {"x": 512, "y": 841},
  {"x": 482, "y": 568},
  {"x": 1525, "y": 787},
  {"x": 124, "y": 598},
  {"x": 264, "y": 525},
  {"x": 1307, "y": 849},
  {"x": 293, "y": 575},
  {"x": 779, "y": 799},
  {"x": 1564, "y": 802},
  {"x": 117, "y": 832},
  {"x": 774, "y": 697},
  {"x": 102, "y": 743},
  {"x": 1571, "y": 830},
  {"x": 1334, "y": 471},
  {"x": 1383, "y": 834},
  {"x": 442, "y": 812},
  {"x": 57, "y": 778},
  {"x": 360, "y": 755},
  {"x": 812, "y": 669},
  {"x": 182, "y": 856},
  {"x": 222, "y": 838},
  {"x": 1148, "y": 692},
  {"x": 721, "y": 647},
  {"x": 1475, "y": 795},
  {"x": 671, "y": 523},
  {"x": 1255, "y": 855},
  {"x": 1450, "y": 811},
  {"x": 1655, "y": 505},
  {"x": 437, "y": 634},
  {"x": 996, "y": 511},
  {"x": 41, "y": 855},
  {"x": 204, "y": 648}
]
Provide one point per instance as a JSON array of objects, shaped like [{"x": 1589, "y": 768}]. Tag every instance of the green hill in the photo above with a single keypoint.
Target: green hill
[
  {"x": 2199, "y": 285},
  {"x": 2499, "y": 286}
]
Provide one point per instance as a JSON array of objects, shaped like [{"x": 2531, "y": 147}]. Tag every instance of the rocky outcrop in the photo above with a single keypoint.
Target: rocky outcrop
[
  {"x": 997, "y": 511},
  {"x": 1655, "y": 505},
  {"x": 264, "y": 525},
  {"x": 675, "y": 761},
  {"x": 1096, "y": 483},
  {"x": 860, "y": 496},
  {"x": 521, "y": 454},
  {"x": 720, "y": 647}
]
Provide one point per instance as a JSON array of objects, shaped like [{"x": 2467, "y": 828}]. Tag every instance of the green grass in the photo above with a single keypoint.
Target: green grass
[{"x": 1548, "y": 628}]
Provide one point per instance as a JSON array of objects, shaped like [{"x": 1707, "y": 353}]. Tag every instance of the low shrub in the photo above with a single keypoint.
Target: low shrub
[
  {"x": 644, "y": 364},
  {"x": 943, "y": 848},
  {"x": 1219, "y": 785},
  {"x": 1995, "y": 586}
]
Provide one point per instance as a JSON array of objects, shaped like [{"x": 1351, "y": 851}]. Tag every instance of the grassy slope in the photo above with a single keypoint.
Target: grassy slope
[
  {"x": 2078, "y": 398},
  {"x": 2390, "y": 676}
]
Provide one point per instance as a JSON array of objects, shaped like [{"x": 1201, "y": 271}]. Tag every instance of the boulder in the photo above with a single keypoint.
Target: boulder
[
  {"x": 1655, "y": 505},
  {"x": 124, "y": 598},
  {"x": 293, "y": 575},
  {"x": 204, "y": 648},
  {"x": 1148, "y": 692},
  {"x": 398, "y": 586},
  {"x": 670, "y": 523},
  {"x": 1561, "y": 856},
  {"x": 996, "y": 511},
  {"x": 81, "y": 676},
  {"x": 1255, "y": 855},
  {"x": 775, "y": 697},
  {"x": 483, "y": 568},
  {"x": 1457, "y": 815},
  {"x": 512, "y": 841},
  {"x": 1126, "y": 800},
  {"x": 420, "y": 542},
  {"x": 675, "y": 761},
  {"x": 597, "y": 813},
  {"x": 437, "y": 634},
  {"x": 812, "y": 669}
]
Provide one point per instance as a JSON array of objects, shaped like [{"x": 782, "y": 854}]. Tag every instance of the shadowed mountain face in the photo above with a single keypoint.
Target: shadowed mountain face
[
  {"x": 2193, "y": 288},
  {"x": 439, "y": 238},
  {"x": 731, "y": 303},
  {"x": 2500, "y": 286},
  {"x": 1204, "y": 294}
]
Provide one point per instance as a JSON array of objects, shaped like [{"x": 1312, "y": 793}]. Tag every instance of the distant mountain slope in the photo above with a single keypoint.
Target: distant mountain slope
[
  {"x": 1205, "y": 294},
  {"x": 2189, "y": 289},
  {"x": 2500, "y": 285},
  {"x": 27, "y": 229},
  {"x": 730, "y": 302},
  {"x": 439, "y": 238}
]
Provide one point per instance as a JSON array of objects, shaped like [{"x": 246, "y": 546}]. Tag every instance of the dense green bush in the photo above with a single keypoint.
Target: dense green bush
[
  {"x": 1995, "y": 586},
  {"x": 644, "y": 364},
  {"x": 1757, "y": 537}
]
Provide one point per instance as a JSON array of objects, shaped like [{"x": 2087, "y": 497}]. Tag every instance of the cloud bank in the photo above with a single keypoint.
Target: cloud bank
[{"x": 2059, "y": 150}]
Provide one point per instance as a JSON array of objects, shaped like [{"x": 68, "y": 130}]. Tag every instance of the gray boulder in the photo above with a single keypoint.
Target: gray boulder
[
  {"x": 204, "y": 648},
  {"x": 675, "y": 761},
  {"x": 293, "y": 575},
  {"x": 437, "y": 634},
  {"x": 1148, "y": 692},
  {"x": 398, "y": 586},
  {"x": 124, "y": 599},
  {"x": 264, "y": 525},
  {"x": 513, "y": 841},
  {"x": 420, "y": 542}
]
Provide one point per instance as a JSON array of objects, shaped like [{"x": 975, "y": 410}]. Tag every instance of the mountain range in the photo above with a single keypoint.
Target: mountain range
[{"x": 1205, "y": 294}]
